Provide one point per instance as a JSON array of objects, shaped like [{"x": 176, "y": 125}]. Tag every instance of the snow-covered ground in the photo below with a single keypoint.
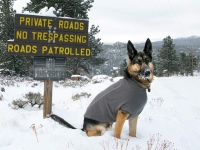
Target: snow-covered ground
[{"x": 170, "y": 118}]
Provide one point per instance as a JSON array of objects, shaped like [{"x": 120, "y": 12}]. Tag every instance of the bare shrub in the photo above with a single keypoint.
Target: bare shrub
[
  {"x": 34, "y": 98},
  {"x": 156, "y": 102},
  {"x": 34, "y": 130},
  {"x": 73, "y": 84},
  {"x": 154, "y": 143},
  {"x": 158, "y": 144},
  {"x": 101, "y": 78},
  {"x": 33, "y": 127},
  {"x": 16, "y": 104},
  {"x": 12, "y": 80},
  {"x": 1, "y": 96},
  {"x": 2, "y": 89},
  {"x": 119, "y": 144},
  {"x": 78, "y": 96},
  {"x": 34, "y": 85}
]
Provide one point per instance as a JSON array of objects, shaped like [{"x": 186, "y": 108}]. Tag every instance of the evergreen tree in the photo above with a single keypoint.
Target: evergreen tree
[
  {"x": 191, "y": 63},
  {"x": 182, "y": 62},
  {"x": 188, "y": 63},
  {"x": 195, "y": 63},
  {"x": 74, "y": 9},
  {"x": 175, "y": 64},
  {"x": 115, "y": 54},
  {"x": 9, "y": 62},
  {"x": 167, "y": 63},
  {"x": 67, "y": 8},
  {"x": 154, "y": 60},
  {"x": 198, "y": 63},
  {"x": 188, "y": 66},
  {"x": 123, "y": 66}
]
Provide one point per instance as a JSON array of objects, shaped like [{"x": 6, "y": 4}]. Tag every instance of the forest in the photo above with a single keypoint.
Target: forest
[{"x": 170, "y": 57}]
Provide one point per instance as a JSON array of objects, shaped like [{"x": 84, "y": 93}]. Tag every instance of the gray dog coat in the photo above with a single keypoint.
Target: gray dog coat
[{"x": 123, "y": 95}]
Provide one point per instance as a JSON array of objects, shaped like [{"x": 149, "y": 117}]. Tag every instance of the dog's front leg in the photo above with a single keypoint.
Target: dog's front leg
[
  {"x": 120, "y": 119},
  {"x": 132, "y": 126}
]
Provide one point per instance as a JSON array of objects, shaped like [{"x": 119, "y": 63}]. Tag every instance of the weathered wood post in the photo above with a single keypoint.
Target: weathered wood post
[{"x": 48, "y": 88}]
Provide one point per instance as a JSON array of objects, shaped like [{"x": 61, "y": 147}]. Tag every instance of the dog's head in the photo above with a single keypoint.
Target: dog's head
[{"x": 140, "y": 64}]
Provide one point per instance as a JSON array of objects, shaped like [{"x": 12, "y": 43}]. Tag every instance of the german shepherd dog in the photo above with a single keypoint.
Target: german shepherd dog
[{"x": 124, "y": 100}]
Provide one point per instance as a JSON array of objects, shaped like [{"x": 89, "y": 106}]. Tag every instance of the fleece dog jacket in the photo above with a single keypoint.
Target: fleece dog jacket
[{"x": 125, "y": 95}]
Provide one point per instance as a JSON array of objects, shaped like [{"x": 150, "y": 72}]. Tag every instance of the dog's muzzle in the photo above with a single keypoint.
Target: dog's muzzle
[{"x": 145, "y": 73}]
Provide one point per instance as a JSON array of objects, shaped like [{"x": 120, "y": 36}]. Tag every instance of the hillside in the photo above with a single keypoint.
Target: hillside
[{"x": 181, "y": 45}]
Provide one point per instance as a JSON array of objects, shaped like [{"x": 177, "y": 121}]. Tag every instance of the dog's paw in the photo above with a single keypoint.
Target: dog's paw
[
  {"x": 117, "y": 136},
  {"x": 132, "y": 134}
]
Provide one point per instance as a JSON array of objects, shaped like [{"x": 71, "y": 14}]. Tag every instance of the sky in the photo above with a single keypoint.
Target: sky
[{"x": 137, "y": 20}]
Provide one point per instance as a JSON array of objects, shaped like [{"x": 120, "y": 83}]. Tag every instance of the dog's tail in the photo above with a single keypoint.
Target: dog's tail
[{"x": 61, "y": 121}]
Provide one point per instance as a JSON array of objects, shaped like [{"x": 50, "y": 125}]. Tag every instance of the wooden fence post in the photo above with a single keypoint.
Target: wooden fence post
[{"x": 48, "y": 88}]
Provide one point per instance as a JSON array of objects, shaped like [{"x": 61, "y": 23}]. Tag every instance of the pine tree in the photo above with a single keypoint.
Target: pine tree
[
  {"x": 188, "y": 67},
  {"x": 154, "y": 60},
  {"x": 182, "y": 62},
  {"x": 74, "y": 9},
  {"x": 167, "y": 63},
  {"x": 7, "y": 31},
  {"x": 198, "y": 63},
  {"x": 67, "y": 8},
  {"x": 191, "y": 62},
  {"x": 123, "y": 66},
  {"x": 115, "y": 54},
  {"x": 9, "y": 62},
  {"x": 195, "y": 63}
]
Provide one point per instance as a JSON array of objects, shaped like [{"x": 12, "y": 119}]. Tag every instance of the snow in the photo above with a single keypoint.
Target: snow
[
  {"x": 172, "y": 114},
  {"x": 43, "y": 12},
  {"x": 115, "y": 68},
  {"x": 100, "y": 78},
  {"x": 75, "y": 76},
  {"x": 51, "y": 12},
  {"x": 48, "y": 12}
]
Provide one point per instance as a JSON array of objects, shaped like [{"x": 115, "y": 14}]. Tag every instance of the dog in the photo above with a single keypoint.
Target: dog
[{"x": 123, "y": 100}]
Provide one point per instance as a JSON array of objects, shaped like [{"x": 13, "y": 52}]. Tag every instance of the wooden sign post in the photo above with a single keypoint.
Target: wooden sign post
[
  {"x": 50, "y": 40},
  {"x": 47, "y": 107}
]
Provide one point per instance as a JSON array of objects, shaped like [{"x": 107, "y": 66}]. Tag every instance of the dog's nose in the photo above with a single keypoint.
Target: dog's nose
[{"x": 147, "y": 73}]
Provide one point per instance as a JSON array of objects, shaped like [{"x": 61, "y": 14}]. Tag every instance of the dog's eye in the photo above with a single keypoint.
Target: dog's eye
[
  {"x": 147, "y": 60},
  {"x": 139, "y": 62}
]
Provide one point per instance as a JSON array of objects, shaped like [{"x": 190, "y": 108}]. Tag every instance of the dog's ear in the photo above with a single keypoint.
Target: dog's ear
[
  {"x": 131, "y": 50},
  {"x": 148, "y": 48}
]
